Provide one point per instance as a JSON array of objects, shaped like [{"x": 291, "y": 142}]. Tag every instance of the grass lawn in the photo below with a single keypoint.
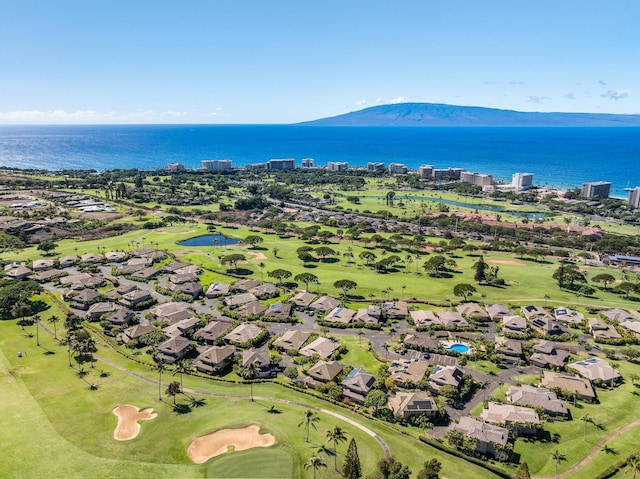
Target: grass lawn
[
  {"x": 359, "y": 355},
  {"x": 57, "y": 418}
]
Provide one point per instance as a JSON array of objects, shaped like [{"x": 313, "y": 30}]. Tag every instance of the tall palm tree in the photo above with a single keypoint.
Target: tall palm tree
[
  {"x": 585, "y": 419},
  {"x": 183, "y": 367},
  {"x": 336, "y": 435},
  {"x": 308, "y": 420},
  {"x": 54, "y": 320},
  {"x": 634, "y": 464},
  {"x": 36, "y": 320},
  {"x": 316, "y": 463},
  {"x": 160, "y": 366},
  {"x": 250, "y": 372},
  {"x": 558, "y": 456}
]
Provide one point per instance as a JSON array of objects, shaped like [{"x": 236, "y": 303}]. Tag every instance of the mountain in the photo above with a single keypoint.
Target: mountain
[{"x": 435, "y": 114}]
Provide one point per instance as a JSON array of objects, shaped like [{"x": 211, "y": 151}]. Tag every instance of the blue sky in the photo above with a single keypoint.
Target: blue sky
[{"x": 281, "y": 61}]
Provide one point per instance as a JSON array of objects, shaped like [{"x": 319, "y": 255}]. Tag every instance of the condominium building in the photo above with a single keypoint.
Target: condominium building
[
  {"x": 522, "y": 181},
  {"x": 307, "y": 162},
  {"x": 375, "y": 166},
  {"x": 477, "y": 179},
  {"x": 398, "y": 169},
  {"x": 216, "y": 165},
  {"x": 337, "y": 166},
  {"x": 176, "y": 167},
  {"x": 596, "y": 189},
  {"x": 281, "y": 164},
  {"x": 634, "y": 197},
  {"x": 425, "y": 171}
]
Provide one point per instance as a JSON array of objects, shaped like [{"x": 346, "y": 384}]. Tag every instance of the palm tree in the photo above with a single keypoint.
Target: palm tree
[
  {"x": 316, "y": 463},
  {"x": 36, "y": 320},
  {"x": 558, "y": 456},
  {"x": 182, "y": 367},
  {"x": 585, "y": 419},
  {"x": 336, "y": 435},
  {"x": 634, "y": 464},
  {"x": 53, "y": 320},
  {"x": 250, "y": 372},
  {"x": 173, "y": 390},
  {"x": 309, "y": 419},
  {"x": 160, "y": 366}
]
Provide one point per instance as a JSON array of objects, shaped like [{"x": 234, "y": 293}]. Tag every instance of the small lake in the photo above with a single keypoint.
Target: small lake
[{"x": 209, "y": 240}]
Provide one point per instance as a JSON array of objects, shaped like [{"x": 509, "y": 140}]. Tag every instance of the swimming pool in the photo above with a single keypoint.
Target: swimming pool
[{"x": 458, "y": 348}]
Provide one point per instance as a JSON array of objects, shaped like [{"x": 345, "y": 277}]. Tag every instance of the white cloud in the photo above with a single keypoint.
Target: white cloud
[
  {"x": 395, "y": 101},
  {"x": 537, "y": 99},
  {"x": 361, "y": 102},
  {"x": 615, "y": 94}
]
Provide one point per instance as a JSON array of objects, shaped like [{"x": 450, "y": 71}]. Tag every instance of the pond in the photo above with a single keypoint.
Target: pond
[{"x": 209, "y": 240}]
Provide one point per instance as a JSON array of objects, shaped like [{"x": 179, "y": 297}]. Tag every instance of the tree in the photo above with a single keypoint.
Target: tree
[
  {"x": 306, "y": 278},
  {"x": 568, "y": 275},
  {"x": 390, "y": 468},
  {"x": 324, "y": 251},
  {"x": 557, "y": 456},
  {"x": 585, "y": 419},
  {"x": 463, "y": 289},
  {"x": 605, "y": 278},
  {"x": 47, "y": 246},
  {"x": 523, "y": 472},
  {"x": 626, "y": 288},
  {"x": 315, "y": 463},
  {"x": 389, "y": 197},
  {"x": 430, "y": 470},
  {"x": 634, "y": 464},
  {"x": 160, "y": 366},
  {"x": 249, "y": 372},
  {"x": 336, "y": 435},
  {"x": 435, "y": 266},
  {"x": 253, "y": 240},
  {"x": 54, "y": 320},
  {"x": 481, "y": 270},
  {"x": 369, "y": 257},
  {"x": 173, "y": 389},
  {"x": 351, "y": 468},
  {"x": 345, "y": 285},
  {"x": 376, "y": 399},
  {"x": 279, "y": 274},
  {"x": 183, "y": 367},
  {"x": 233, "y": 259},
  {"x": 309, "y": 420}
]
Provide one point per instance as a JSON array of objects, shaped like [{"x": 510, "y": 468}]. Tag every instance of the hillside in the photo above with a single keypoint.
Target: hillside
[{"x": 434, "y": 114}]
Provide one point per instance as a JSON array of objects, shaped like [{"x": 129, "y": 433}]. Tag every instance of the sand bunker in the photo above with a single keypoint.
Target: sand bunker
[
  {"x": 128, "y": 417},
  {"x": 505, "y": 261},
  {"x": 205, "y": 447},
  {"x": 257, "y": 254}
]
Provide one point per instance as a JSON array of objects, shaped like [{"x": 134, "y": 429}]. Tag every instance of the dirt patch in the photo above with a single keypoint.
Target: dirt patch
[
  {"x": 205, "y": 447},
  {"x": 257, "y": 255},
  {"x": 505, "y": 261},
  {"x": 128, "y": 417},
  {"x": 186, "y": 232}
]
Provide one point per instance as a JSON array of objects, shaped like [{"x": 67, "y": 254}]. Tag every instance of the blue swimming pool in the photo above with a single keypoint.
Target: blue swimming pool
[{"x": 458, "y": 348}]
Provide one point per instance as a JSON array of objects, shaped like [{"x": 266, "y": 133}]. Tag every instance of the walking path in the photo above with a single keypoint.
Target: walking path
[{"x": 593, "y": 452}]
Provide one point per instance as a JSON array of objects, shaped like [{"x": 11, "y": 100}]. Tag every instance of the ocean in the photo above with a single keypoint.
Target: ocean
[{"x": 561, "y": 157}]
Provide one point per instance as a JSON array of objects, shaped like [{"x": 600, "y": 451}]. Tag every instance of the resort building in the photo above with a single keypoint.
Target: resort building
[
  {"x": 398, "y": 169},
  {"x": 375, "y": 166},
  {"x": 522, "y": 181},
  {"x": 282, "y": 164},
  {"x": 596, "y": 189},
  {"x": 337, "y": 166},
  {"x": 216, "y": 165},
  {"x": 634, "y": 197},
  {"x": 477, "y": 179},
  {"x": 425, "y": 171},
  {"x": 307, "y": 162},
  {"x": 176, "y": 167}
]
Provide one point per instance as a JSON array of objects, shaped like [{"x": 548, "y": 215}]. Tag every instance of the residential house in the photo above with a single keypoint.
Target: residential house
[
  {"x": 325, "y": 371},
  {"x": 542, "y": 398},
  {"x": 43, "y": 264},
  {"x": 620, "y": 315},
  {"x": 183, "y": 278},
  {"x": 303, "y": 299},
  {"x": 259, "y": 357},
  {"x": 121, "y": 317},
  {"x": 244, "y": 333},
  {"x": 546, "y": 326},
  {"x": 409, "y": 404},
  {"x": 292, "y": 340},
  {"x": 569, "y": 384},
  {"x": 213, "y": 330},
  {"x": 531, "y": 312},
  {"x": 340, "y": 315},
  {"x": 452, "y": 319},
  {"x": 173, "y": 350},
  {"x": 173, "y": 267},
  {"x": 48, "y": 275},
  {"x": 167, "y": 309},
  {"x": 357, "y": 385},
  {"x": 279, "y": 311},
  {"x": 193, "y": 290},
  {"x": 509, "y": 350},
  {"x": 67, "y": 261},
  {"x": 238, "y": 299},
  {"x": 473, "y": 311},
  {"x": 566, "y": 315},
  {"x": 395, "y": 309},
  {"x": 215, "y": 359},
  {"x": 596, "y": 369},
  {"x": 115, "y": 256},
  {"x": 421, "y": 342},
  {"x": 323, "y": 347},
  {"x": 364, "y": 315},
  {"x": 18, "y": 272},
  {"x": 254, "y": 308},
  {"x": 133, "y": 298},
  {"x": 217, "y": 289},
  {"x": 489, "y": 439},
  {"x": 523, "y": 420},
  {"x": 324, "y": 303},
  {"x": 601, "y": 330},
  {"x": 83, "y": 299},
  {"x": 546, "y": 354},
  {"x": 92, "y": 258},
  {"x": 135, "y": 332},
  {"x": 189, "y": 269},
  {"x": 514, "y": 325},
  {"x": 264, "y": 291},
  {"x": 498, "y": 311},
  {"x": 245, "y": 285},
  {"x": 146, "y": 274},
  {"x": 404, "y": 371},
  {"x": 97, "y": 310},
  {"x": 445, "y": 376},
  {"x": 182, "y": 328},
  {"x": 425, "y": 318}
]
